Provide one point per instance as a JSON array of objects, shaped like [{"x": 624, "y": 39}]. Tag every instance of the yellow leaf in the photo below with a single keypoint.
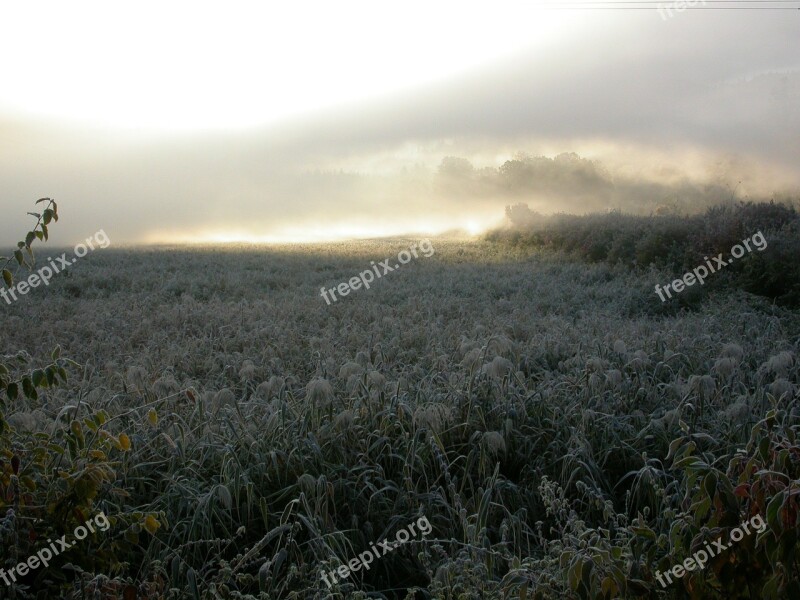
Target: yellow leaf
[
  {"x": 124, "y": 442},
  {"x": 151, "y": 524},
  {"x": 152, "y": 417}
]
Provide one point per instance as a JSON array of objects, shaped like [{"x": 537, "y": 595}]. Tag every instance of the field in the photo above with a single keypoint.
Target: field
[{"x": 563, "y": 438}]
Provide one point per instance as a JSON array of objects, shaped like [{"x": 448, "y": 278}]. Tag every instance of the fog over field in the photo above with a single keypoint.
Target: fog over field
[
  {"x": 134, "y": 133},
  {"x": 441, "y": 301}
]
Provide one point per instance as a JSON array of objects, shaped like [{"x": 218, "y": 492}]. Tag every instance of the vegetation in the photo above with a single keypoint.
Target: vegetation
[
  {"x": 676, "y": 243},
  {"x": 54, "y": 469},
  {"x": 243, "y": 436}
]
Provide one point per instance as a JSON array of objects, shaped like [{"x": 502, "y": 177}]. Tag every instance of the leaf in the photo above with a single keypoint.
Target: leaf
[
  {"x": 710, "y": 484},
  {"x": 8, "y": 277},
  {"x": 124, "y": 442},
  {"x": 280, "y": 557},
  {"x": 151, "y": 524},
  {"x": 19, "y": 257},
  {"x": 48, "y": 216},
  {"x": 773, "y": 508},
  {"x": 38, "y": 377},
  {"x": 29, "y": 239},
  {"x": 608, "y": 587},
  {"x": 574, "y": 573},
  {"x": 190, "y": 576},
  {"x": 28, "y": 389},
  {"x": 224, "y": 496},
  {"x": 644, "y": 532},
  {"x": 763, "y": 448},
  {"x": 152, "y": 417},
  {"x": 40, "y": 200}
]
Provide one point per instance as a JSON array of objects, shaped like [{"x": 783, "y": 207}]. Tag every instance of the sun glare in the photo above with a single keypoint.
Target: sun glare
[
  {"x": 198, "y": 65},
  {"x": 317, "y": 234}
]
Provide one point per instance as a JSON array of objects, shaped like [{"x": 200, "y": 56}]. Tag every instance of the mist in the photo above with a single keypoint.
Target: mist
[{"x": 665, "y": 117}]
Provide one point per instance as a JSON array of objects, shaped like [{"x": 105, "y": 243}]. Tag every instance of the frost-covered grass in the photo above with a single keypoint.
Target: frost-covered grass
[{"x": 524, "y": 403}]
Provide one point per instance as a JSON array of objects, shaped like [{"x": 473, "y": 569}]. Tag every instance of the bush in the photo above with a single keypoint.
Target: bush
[
  {"x": 56, "y": 475},
  {"x": 679, "y": 244}
]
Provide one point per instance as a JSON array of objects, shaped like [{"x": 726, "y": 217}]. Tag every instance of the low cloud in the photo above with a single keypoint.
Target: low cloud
[{"x": 588, "y": 126}]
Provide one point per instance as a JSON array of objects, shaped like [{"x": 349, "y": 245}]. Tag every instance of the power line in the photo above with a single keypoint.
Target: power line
[
  {"x": 666, "y": 4},
  {"x": 654, "y": 4},
  {"x": 602, "y": 2}
]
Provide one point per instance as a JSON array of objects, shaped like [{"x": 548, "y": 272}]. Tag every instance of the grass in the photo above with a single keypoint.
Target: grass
[{"x": 529, "y": 404}]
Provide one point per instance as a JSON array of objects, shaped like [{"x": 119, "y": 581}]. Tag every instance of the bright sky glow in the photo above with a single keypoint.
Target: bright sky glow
[
  {"x": 182, "y": 65},
  {"x": 324, "y": 233}
]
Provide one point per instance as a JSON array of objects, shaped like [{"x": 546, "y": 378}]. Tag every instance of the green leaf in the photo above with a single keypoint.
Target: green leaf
[
  {"x": 29, "y": 239},
  {"x": 644, "y": 532},
  {"x": 8, "y": 277},
  {"x": 773, "y": 509},
  {"x": 42, "y": 200},
  {"x": 19, "y": 257},
  {"x": 574, "y": 573},
  {"x": 38, "y": 377},
  {"x": 710, "y": 484},
  {"x": 56, "y": 352},
  {"x": 48, "y": 216},
  {"x": 45, "y": 233},
  {"x": 28, "y": 389},
  {"x": 12, "y": 391},
  {"x": 763, "y": 448}
]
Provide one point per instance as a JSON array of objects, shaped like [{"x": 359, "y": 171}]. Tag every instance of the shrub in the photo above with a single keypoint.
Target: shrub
[
  {"x": 679, "y": 244},
  {"x": 55, "y": 476}
]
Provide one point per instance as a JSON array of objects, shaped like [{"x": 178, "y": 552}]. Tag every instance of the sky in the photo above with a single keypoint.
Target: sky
[{"x": 197, "y": 122}]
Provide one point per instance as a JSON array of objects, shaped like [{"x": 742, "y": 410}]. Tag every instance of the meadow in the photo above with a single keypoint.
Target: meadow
[{"x": 564, "y": 434}]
